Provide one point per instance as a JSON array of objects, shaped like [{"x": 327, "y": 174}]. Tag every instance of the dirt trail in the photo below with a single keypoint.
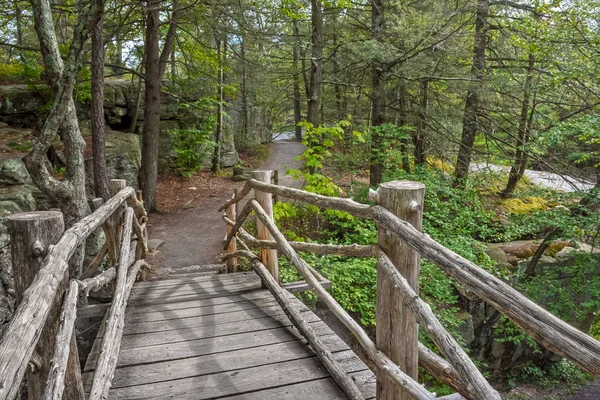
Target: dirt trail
[{"x": 193, "y": 236}]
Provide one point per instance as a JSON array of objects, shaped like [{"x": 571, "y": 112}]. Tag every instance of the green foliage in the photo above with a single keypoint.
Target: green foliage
[
  {"x": 562, "y": 372},
  {"x": 192, "y": 146},
  {"x": 19, "y": 73},
  {"x": 393, "y": 143},
  {"x": 319, "y": 142}
]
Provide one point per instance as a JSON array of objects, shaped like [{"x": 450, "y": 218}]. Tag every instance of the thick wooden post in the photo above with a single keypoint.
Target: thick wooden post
[
  {"x": 31, "y": 234},
  {"x": 232, "y": 263},
  {"x": 268, "y": 256},
  {"x": 397, "y": 330}
]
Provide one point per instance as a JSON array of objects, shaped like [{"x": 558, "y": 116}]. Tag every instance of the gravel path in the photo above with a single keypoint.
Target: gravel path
[{"x": 193, "y": 236}]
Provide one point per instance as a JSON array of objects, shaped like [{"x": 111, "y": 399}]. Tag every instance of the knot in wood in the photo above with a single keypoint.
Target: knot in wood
[
  {"x": 414, "y": 207},
  {"x": 35, "y": 363},
  {"x": 38, "y": 250}
]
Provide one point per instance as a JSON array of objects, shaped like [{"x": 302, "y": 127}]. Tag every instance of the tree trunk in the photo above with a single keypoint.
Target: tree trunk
[
  {"x": 419, "y": 135},
  {"x": 118, "y": 56},
  {"x": 518, "y": 168},
  {"x": 97, "y": 109},
  {"x": 156, "y": 63},
  {"x": 216, "y": 161},
  {"x": 316, "y": 63},
  {"x": 378, "y": 96},
  {"x": 245, "y": 109},
  {"x": 152, "y": 107},
  {"x": 401, "y": 120},
  {"x": 295, "y": 66},
  {"x": 472, "y": 103}
]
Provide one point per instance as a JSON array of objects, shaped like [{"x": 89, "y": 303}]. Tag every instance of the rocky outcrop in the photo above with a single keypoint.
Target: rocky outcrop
[
  {"x": 260, "y": 126},
  {"x": 21, "y": 105}
]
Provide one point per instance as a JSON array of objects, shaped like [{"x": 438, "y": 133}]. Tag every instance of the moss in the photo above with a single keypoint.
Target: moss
[
  {"x": 556, "y": 247},
  {"x": 440, "y": 165},
  {"x": 524, "y": 205}
]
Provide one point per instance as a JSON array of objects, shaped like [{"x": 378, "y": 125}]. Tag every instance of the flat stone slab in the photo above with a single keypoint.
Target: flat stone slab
[{"x": 154, "y": 244}]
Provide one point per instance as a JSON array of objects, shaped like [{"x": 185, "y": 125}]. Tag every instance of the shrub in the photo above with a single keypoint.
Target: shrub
[{"x": 192, "y": 147}]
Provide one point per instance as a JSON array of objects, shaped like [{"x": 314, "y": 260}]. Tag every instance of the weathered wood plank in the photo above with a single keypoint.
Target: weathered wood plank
[
  {"x": 320, "y": 389},
  {"x": 200, "y": 290},
  {"x": 254, "y": 295},
  {"x": 152, "y": 316},
  {"x": 178, "y": 279},
  {"x": 202, "y": 320},
  {"x": 208, "y": 331},
  {"x": 227, "y": 383},
  {"x": 212, "y": 363},
  {"x": 189, "y": 297}
]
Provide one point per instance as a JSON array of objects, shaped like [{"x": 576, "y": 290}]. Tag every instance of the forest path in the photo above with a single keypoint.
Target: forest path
[{"x": 193, "y": 235}]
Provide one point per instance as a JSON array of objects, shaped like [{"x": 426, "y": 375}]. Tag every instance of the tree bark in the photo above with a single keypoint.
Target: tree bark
[
  {"x": 473, "y": 100},
  {"x": 216, "y": 161},
  {"x": 316, "y": 63},
  {"x": 156, "y": 63},
  {"x": 152, "y": 106},
  {"x": 518, "y": 168},
  {"x": 418, "y": 138},
  {"x": 245, "y": 108},
  {"x": 70, "y": 192},
  {"x": 295, "y": 66},
  {"x": 378, "y": 96},
  {"x": 97, "y": 109}
]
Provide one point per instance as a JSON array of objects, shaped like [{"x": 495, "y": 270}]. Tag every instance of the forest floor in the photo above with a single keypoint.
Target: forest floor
[{"x": 189, "y": 225}]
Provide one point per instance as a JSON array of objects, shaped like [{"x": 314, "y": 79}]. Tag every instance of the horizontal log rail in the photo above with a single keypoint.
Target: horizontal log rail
[
  {"x": 23, "y": 332},
  {"x": 334, "y": 203},
  {"x": 351, "y": 250},
  {"x": 549, "y": 330},
  {"x": 457, "y": 370}
]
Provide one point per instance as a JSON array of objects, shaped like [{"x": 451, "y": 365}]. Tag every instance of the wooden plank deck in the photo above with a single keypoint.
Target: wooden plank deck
[{"x": 221, "y": 336}]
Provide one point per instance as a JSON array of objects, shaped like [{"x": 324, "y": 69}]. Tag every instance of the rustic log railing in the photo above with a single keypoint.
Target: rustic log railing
[
  {"x": 395, "y": 356},
  {"x": 48, "y": 297}
]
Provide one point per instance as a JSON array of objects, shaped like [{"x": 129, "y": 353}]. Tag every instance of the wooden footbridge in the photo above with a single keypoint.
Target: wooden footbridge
[{"x": 243, "y": 335}]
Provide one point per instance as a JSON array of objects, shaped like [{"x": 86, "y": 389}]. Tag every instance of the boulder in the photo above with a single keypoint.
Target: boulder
[
  {"x": 229, "y": 159},
  {"x": 13, "y": 172},
  {"x": 120, "y": 96},
  {"x": 123, "y": 157},
  {"x": 20, "y": 104},
  {"x": 118, "y": 111},
  {"x": 20, "y": 196}
]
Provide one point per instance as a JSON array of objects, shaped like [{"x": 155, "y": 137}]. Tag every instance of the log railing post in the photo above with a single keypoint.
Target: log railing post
[
  {"x": 232, "y": 263},
  {"x": 276, "y": 182},
  {"x": 397, "y": 330},
  {"x": 268, "y": 256},
  {"x": 31, "y": 235}
]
